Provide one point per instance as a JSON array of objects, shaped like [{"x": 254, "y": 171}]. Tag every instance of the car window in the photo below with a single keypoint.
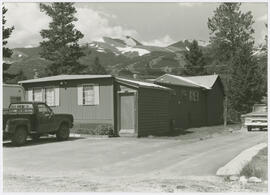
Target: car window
[{"x": 42, "y": 108}]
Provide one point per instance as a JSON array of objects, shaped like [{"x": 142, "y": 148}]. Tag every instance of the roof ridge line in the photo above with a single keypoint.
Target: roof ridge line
[{"x": 187, "y": 80}]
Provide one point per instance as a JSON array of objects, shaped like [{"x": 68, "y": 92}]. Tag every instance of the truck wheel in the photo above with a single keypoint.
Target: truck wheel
[
  {"x": 19, "y": 137},
  {"x": 35, "y": 137},
  {"x": 249, "y": 128},
  {"x": 63, "y": 132}
]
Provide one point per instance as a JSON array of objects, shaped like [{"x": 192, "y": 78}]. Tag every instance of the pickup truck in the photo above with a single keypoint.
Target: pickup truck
[
  {"x": 34, "y": 119},
  {"x": 257, "y": 118}
]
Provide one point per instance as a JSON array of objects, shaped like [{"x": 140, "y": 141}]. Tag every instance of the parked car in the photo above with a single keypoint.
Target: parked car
[
  {"x": 257, "y": 118},
  {"x": 34, "y": 119}
]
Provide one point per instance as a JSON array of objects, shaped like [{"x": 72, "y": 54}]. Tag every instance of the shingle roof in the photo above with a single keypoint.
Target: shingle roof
[
  {"x": 65, "y": 77},
  {"x": 205, "y": 81},
  {"x": 141, "y": 83}
]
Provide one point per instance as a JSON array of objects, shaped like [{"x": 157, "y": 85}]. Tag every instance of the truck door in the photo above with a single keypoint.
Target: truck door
[{"x": 45, "y": 121}]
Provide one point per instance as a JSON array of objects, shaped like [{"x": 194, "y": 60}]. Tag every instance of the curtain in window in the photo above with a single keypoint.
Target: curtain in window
[
  {"x": 50, "y": 96},
  {"x": 88, "y": 95},
  {"x": 37, "y": 95}
]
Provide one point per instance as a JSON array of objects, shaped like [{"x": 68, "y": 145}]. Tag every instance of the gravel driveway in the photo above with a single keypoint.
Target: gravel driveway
[{"x": 124, "y": 164}]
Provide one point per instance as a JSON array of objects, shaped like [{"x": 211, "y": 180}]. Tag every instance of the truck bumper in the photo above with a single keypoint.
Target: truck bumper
[{"x": 256, "y": 124}]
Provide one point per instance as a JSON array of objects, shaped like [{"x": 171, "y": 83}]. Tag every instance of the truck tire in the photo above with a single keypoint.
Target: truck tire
[
  {"x": 63, "y": 132},
  {"x": 249, "y": 128},
  {"x": 19, "y": 137}
]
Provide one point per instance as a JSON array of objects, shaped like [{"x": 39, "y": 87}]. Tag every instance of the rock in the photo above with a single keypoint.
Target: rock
[
  {"x": 231, "y": 130},
  {"x": 180, "y": 187},
  {"x": 233, "y": 178},
  {"x": 243, "y": 180},
  {"x": 254, "y": 180}
]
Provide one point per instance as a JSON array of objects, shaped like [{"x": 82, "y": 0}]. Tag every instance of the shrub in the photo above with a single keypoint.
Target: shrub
[
  {"x": 257, "y": 166},
  {"x": 102, "y": 129}
]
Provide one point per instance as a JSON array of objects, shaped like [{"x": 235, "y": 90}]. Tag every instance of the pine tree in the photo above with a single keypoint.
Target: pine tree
[
  {"x": 6, "y": 51},
  {"x": 20, "y": 76},
  {"x": 245, "y": 87},
  {"x": 232, "y": 41},
  {"x": 97, "y": 68},
  {"x": 195, "y": 60},
  {"x": 60, "y": 45},
  {"x": 229, "y": 29}
]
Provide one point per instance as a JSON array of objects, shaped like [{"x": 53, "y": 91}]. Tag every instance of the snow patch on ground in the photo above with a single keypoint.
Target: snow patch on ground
[{"x": 141, "y": 52}]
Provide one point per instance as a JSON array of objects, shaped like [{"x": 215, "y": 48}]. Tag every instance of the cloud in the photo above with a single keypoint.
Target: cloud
[
  {"x": 184, "y": 4},
  {"x": 262, "y": 18},
  {"x": 95, "y": 25},
  {"x": 28, "y": 22},
  {"x": 161, "y": 42}
]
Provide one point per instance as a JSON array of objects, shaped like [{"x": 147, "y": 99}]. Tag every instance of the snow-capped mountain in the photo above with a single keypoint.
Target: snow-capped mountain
[
  {"x": 128, "y": 46},
  {"x": 115, "y": 54}
]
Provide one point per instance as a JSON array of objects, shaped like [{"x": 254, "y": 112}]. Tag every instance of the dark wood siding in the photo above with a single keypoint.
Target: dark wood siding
[
  {"x": 83, "y": 114},
  {"x": 215, "y": 98},
  {"x": 207, "y": 111},
  {"x": 186, "y": 113},
  {"x": 153, "y": 112}
]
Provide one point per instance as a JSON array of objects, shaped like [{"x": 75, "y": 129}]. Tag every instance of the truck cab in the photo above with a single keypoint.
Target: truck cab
[{"x": 34, "y": 119}]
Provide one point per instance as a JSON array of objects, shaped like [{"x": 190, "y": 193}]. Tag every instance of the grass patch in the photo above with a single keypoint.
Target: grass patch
[{"x": 257, "y": 166}]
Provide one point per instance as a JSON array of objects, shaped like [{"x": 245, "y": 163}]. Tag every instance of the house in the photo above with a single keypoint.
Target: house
[
  {"x": 198, "y": 100},
  {"x": 132, "y": 107},
  {"x": 142, "y": 107},
  {"x": 90, "y": 98},
  {"x": 11, "y": 94}
]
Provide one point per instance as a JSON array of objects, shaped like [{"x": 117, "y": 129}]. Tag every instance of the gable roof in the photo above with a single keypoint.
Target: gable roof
[
  {"x": 64, "y": 77},
  {"x": 136, "y": 83},
  {"x": 204, "y": 81}
]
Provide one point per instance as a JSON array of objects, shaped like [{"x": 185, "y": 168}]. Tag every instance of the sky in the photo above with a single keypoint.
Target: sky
[{"x": 157, "y": 24}]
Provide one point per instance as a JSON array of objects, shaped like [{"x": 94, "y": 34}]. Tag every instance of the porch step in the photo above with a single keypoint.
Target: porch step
[{"x": 127, "y": 133}]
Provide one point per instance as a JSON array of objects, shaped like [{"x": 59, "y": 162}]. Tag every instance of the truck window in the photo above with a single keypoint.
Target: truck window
[
  {"x": 42, "y": 108},
  {"x": 21, "y": 108}
]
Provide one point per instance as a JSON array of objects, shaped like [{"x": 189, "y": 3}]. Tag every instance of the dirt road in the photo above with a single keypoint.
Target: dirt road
[{"x": 123, "y": 164}]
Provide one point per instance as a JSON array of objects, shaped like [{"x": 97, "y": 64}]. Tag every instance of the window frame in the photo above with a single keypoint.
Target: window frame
[{"x": 81, "y": 94}]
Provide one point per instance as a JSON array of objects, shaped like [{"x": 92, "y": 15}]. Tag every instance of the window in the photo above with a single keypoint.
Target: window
[
  {"x": 37, "y": 94},
  {"x": 88, "y": 94},
  {"x": 184, "y": 95},
  {"x": 50, "y": 95},
  {"x": 15, "y": 99},
  {"x": 42, "y": 108},
  {"x": 193, "y": 96}
]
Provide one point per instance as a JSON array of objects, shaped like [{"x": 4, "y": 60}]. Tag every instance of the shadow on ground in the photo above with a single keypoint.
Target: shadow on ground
[
  {"x": 42, "y": 140},
  {"x": 180, "y": 132}
]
